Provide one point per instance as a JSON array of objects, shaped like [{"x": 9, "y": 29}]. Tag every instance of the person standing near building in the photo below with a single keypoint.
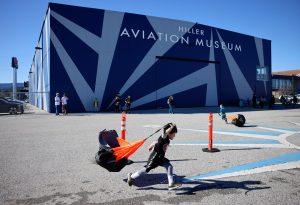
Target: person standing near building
[
  {"x": 127, "y": 104},
  {"x": 272, "y": 102},
  {"x": 241, "y": 103},
  {"x": 64, "y": 102},
  {"x": 96, "y": 104},
  {"x": 117, "y": 103},
  {"x": 295, "y": 101},
  {"x": 248, "y": 102},
  {"x": 262, "y": 101},
  {"x": 57, "y": 103},
  {"x": 171, "y": 104},
  {"x": 254, "y": 101},
  {"x": 222, "y": 113},
  {"x": 283, "y": 100}
]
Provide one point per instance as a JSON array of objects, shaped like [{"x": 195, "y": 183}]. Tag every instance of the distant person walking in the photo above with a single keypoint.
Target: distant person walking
[
  {"x": 254, "y": 101},
  {"x": 96, "y": 104},
  {"x": 57, "y": 103},
  {"x": 283, "y": 100},
  {"x": 248, "y": 102},
  {"x": 295, "y": 101},
  {"x": 262, "y": 101},
  {"x": 272, "y": 102},
  {"x": 171, "y": 104},
  {"x": 64, "y": 102},
  {"x": 117, "y": 103},
  {"x": 222, "y": 113},
  {"x": 127, "y": 104},
  {"x": 241, "y": 103}
]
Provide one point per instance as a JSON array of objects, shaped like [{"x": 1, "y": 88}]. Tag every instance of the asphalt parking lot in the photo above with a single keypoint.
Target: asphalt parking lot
[{"x": 48, "y": 159}]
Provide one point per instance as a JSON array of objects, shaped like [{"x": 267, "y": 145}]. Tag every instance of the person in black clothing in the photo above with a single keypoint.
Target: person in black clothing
[
  {"x": 117, "y": 103},
  {"x": 272, "y": 102},
  {"x": 262, "y": 102},
  {"x": 127, "y": 104},
  {"x": 283, "y": 101},
  {"x": 157, "y": 157},
  {"x": 295, "y": 100},
  {"x": 171, "y": 104},
  {"x": 254, "y": 101}
]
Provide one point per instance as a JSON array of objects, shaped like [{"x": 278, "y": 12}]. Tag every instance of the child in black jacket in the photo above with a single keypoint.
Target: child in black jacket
[{"x": 157, "y": 157}]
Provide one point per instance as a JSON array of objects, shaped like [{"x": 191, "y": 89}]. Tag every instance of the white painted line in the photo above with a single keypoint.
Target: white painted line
[
  {"x": 152, "y": 126},
  {"x": 295, "y": 123},
  {"x": 223, "y": 133},
  {"x": 277, "y": 129}
]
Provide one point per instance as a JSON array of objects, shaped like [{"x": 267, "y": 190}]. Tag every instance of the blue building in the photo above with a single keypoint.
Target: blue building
[{"x": 93, "y": 53}]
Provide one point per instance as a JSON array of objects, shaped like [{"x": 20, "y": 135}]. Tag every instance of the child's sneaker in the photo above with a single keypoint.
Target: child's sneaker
[
  {"x": 174, "y": 186},
  {"x": 129, "y": 179}
]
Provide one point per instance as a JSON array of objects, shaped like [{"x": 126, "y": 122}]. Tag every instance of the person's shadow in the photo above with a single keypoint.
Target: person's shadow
[{"x": 148, "y": 182}]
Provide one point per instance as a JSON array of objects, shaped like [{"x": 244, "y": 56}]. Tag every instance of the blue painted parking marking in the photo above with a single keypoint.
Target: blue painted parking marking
[
  {"x": 274, "y": 137},
  {"x": 291, "y": 157}
]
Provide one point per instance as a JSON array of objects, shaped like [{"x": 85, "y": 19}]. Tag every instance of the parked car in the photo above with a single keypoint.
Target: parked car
[
  {"x": 14, "y": 100},
  {"x": 10, "y": 107},
  {"x": 288, "y": 99}
]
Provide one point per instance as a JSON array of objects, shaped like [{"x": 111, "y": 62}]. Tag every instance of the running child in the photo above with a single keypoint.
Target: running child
[{"x": 157, "y": 157}]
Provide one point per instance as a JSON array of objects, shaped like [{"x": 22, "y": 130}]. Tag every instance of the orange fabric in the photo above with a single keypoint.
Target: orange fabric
[
  {"x": 232, "y": 117},
  {"x": 127, "y": 149},
  {"x": 122, "y": 142}
]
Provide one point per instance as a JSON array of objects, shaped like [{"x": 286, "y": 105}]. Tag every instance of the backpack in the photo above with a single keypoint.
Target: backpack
[
  {"x": 104, "y": 157},
  {"x": 239, "y": 121}
]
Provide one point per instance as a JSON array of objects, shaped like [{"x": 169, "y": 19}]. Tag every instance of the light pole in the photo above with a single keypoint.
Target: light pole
[
  {"x": 14, "y": 82},
  {"x": 30, "y": 86},
  {"x": 14, "y": 65}
]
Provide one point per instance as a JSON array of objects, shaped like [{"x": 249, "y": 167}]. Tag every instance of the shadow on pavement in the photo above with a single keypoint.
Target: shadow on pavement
[
  {"x": 219, "y": 184},
  {"x": 148, "y": 182},
  {"x": 250, "y": 126}
]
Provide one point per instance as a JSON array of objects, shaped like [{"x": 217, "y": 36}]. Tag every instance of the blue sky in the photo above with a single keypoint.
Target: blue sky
[{"x": 276, "y": 20}]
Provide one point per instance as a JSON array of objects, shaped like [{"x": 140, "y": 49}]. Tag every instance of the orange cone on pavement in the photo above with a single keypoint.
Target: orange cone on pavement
[
  {"x": 123, "y": 125},
  {"x": 210, "y": 136}
]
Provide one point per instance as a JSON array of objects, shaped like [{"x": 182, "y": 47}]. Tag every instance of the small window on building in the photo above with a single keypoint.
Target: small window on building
[
  {"x": 262, "y": 73},
  {"x": 274, "y": 83}
]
